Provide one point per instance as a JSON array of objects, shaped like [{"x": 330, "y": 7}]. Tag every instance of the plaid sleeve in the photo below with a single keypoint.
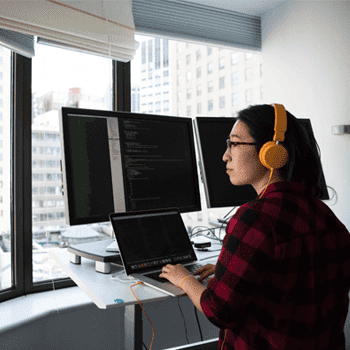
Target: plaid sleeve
[{"x": 243, "y": 261}]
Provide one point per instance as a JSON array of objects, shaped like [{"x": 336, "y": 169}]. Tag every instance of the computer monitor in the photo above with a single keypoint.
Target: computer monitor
[
  {"x": 211, "y": 133},
  {"x": 120, "y": 161}
]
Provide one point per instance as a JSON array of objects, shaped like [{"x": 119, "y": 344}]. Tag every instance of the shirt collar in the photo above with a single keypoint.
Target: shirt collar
[{"x": 292, "y": 187}]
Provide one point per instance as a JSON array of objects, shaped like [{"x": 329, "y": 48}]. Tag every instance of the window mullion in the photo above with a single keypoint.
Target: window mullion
[
  {"x": 122, "y": 86},
  {"x": 22, "y": 210}
]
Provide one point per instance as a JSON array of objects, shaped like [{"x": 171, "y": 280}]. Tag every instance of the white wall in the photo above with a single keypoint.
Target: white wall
[{"x": 306, "y": 67}]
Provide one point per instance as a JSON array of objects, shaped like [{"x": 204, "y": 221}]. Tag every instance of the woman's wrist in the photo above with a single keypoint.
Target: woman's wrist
[{"x": 183, "y": 280}]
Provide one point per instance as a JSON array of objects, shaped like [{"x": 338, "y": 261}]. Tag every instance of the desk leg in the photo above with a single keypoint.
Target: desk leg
[{"x": 133, "y": 327}]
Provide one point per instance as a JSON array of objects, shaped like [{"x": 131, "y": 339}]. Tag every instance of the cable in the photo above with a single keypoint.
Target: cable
[
  {"x": 144, "y": 345},
  {"x": 199, "y": 326},
  {"x": 178, "y": 301},
  {"x": 144, "y": 312},
  {"x": 229, "y": 212}
]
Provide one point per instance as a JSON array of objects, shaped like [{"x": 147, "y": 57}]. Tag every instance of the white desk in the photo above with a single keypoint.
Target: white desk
[{"x": 106, "y": 292}]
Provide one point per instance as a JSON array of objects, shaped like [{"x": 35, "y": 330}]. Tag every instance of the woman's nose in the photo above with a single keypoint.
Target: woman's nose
[{"x": 226, "y": 156}]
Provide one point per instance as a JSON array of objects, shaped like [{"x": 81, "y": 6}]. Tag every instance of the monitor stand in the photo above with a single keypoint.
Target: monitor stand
[{"x": 95, "y": 251}]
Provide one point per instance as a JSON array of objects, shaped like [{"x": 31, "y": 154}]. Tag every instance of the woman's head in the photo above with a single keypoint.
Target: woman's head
[{"x": 303, "y": 165}]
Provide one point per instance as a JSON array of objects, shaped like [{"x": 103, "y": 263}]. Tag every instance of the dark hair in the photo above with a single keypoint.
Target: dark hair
[{"x": 303, "y": 165}]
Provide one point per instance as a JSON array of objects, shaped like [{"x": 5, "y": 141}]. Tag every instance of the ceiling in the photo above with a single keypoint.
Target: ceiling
[{"x": 250, "y": 7}]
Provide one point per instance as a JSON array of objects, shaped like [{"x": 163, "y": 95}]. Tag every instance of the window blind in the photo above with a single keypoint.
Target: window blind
[
  {"x": 20, "y": 43},
  {"x": 186, "y": 20},
  {"x": 104, "y": 28}
]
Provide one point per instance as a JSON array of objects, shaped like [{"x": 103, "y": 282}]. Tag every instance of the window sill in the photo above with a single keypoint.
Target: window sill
[{"x": 29, "y": 308}]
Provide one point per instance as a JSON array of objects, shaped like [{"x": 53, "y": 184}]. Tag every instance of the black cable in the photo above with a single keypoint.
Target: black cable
[
  {"x": 199, "y": 326},
  {"x": 178, "y": 301},
  {"x": 229, "y": 212},
  {"x": 144, "y": 345}
]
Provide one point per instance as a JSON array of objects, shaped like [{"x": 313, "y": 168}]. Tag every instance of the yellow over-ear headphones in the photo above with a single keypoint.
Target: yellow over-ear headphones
[{"x": 273, "y": 155}]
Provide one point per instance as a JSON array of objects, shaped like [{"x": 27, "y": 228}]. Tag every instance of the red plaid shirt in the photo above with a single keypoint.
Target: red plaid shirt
[{"x": 283, "y": 275}]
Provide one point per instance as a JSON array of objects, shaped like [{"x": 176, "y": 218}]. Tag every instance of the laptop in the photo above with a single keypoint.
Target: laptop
[{"x": 149, "y": 240}]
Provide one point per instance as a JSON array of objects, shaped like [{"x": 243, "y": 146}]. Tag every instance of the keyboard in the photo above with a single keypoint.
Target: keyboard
[{"x": 191, "y": 268}]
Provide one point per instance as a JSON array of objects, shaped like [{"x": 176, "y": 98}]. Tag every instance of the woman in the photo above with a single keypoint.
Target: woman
[{"x": 283, "y": 275}]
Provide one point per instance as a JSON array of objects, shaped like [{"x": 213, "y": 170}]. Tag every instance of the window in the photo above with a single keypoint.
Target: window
[
  {"x": 188, "y": 111},
  {"x": 198, "y": 55},
  {"x": 189, "y": 93},
  {"x": 234, "y": 58},
  {"x": 234, "y": 78},
  {"x": 249, "y": 74},
  {"x": 199, "y": 72},
  {"x": 178, "y": 63},
  {"x": 150, "y": 51},
  {"x": 6, "y": 258},
  {"x": 210, "y": 105},
  {"x": 199, "y": 90},
  {"x": 199, "y": 108},
  {"x": 60, "y": 77},
  {"x": 165, "y": 53},
  {"x": 143, "y": 53},
  {"x": 222, "y": 102},
  {"x": 157, "y": 53},
  {"x": 222, "y": 83},
  {"x": 166, "y": 77},
  {"x": 210, "y": 86},
  {"x": 248, "y": 56},
  {"x": 210, "y": 67},
  {"x": 221, "y": 63},
  {"x": 209, "y": 50},
  {"x": 188, "y": 60},
  {"x": 235, "y": 99}
]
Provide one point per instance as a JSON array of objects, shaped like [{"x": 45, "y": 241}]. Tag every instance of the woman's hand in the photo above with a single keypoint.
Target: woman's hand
[
  {"x": 205, "y": 271},
  {"x": 174, "y": 273}
]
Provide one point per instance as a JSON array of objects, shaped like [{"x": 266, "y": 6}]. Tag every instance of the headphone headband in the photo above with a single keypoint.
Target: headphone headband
[{"x": 280, "y": 122}]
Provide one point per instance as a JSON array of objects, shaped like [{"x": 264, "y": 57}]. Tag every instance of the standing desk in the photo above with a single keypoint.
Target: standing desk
[{"x": 107, "y": 293}]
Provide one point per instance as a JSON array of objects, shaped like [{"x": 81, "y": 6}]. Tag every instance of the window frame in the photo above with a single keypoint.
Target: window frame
[{"x": 21, "y": 172}]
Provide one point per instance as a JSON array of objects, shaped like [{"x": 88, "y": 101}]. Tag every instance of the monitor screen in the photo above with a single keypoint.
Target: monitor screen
[
  {"x": 211, "y": 133},
  {"x": 119, "y": 161}
]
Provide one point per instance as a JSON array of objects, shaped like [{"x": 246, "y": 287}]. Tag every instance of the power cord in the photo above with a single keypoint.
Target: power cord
[
  {"x": 178, "y": 301},
  {"x": 199, "y": 326},
  {"x": 143, "y": 311}
]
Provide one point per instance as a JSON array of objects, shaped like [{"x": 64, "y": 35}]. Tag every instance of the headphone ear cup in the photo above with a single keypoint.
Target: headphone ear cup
[{"x": 273, "y": 156}]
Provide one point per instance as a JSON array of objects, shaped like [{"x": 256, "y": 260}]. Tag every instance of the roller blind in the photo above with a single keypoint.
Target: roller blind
[
  {"x": 104, "y": 28},
  {"x": 186, "y": 20},
  {"x": 20, "y": 43}
]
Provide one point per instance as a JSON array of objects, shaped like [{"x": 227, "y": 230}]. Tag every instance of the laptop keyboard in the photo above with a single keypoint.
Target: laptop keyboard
[{"x": 155, "y": 275}]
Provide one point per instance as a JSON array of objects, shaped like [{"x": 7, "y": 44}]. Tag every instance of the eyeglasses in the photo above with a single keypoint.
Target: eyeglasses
[{"x": 230, "y": 143}]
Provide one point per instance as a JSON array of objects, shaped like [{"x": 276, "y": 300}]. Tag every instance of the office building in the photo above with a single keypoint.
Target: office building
[
  {"x": 195, "y": 79},
  {"x": 135, "y": 98},
  {"x": 212, "y": 81},
  {"x": 155, "y": 85}
]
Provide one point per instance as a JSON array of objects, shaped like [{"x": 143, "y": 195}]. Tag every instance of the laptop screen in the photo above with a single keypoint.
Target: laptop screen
[{"x": 151, "y": 239}]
